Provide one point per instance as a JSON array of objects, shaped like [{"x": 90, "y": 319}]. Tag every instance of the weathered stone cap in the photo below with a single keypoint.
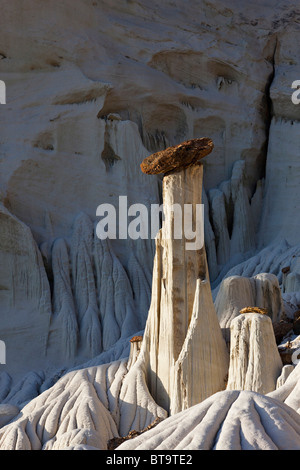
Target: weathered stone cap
[
  {"x": 263, "y": 311},
  {"x": 177, "y": 157},
  {"x": 136, "y": 339}
]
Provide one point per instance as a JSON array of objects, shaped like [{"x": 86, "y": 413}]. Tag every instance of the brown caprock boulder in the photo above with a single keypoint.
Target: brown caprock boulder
[{"x": 178, "y": 157}]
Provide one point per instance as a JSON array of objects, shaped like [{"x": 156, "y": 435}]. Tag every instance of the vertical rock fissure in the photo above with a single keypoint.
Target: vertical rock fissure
[{"x": 269, "y": 105}]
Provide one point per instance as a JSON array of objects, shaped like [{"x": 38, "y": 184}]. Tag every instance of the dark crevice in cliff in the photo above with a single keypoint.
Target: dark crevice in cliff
[{"x": 268, "y": 105}]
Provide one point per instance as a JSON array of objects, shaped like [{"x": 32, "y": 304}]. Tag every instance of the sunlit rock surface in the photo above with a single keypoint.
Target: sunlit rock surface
[
  {"x": 228, "y": 420},
  {"x": 255, "y": 363}
]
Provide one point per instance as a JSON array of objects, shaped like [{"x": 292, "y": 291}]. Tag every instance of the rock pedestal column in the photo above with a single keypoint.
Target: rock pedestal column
[
  {"x": 255, "y": 363},
  {"x": 185, "y": 356}
]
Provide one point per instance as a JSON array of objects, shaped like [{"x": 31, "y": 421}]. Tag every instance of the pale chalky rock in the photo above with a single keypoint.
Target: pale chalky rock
[
  {"x": 238, "y": 292},
  {"x": 84, "y": 409},
  {"x": 291, "y": 277},
  {"x": 286, "y": 371},
  {"x": 77, "y": 405},
  {"x": 268, "y": 261},
  {"x": 183, "y": 357},
  {"x": 93, "y": 302},
  {"x": 284, "y": 132},
  {"x": 234, "y": 217},
  {"x": 7, "y": 413},
  {"x": 255, "y": 363},
  {"x": 228, "y": 420},
  {"x": 243, "y": 230},
  {"x": 135, "y": 347},
  {"x": 202, "y": 364},
  {"x": 24, "y": 297},
  {"x": 289, "y": 391},
  {"x": 217, "y": 214}
]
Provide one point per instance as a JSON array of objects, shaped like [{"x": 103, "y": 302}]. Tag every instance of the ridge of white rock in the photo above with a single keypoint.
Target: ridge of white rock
[
  {"x": 228, "y": 420},
  {"x": 289, "y": 392},
  {"x": 64, "y": 314},
  {"x": 7, "y": 413},
  {"x": 31, "y": 385},
  {"x": 83, "y": 410},
  {"x": 233, "y": 215},
  {"x": 202, "y": 365},
  {"x": 84, "y": 288},
  {"x": 270, "y": 259},
  {"x": 285, "y": 372},
  {"x": 219, "y": 218},
  {"x": 66, "y": 302},
  {"x": 291, "y": 279},
  {"x": 24, "y": 296}
]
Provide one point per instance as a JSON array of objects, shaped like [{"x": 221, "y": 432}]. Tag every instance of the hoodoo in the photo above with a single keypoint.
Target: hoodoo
[{"x": 183, "y": 351}]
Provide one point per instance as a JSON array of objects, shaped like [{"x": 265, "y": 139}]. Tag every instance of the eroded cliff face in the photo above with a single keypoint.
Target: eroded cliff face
[{"x": 92, "y": 89}]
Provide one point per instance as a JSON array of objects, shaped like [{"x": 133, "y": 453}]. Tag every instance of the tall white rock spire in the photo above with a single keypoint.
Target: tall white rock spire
[{"x": 183, "y": 353}]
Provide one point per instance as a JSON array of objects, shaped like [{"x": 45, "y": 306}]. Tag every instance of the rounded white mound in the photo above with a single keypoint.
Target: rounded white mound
[{"x": 228, "y": 420}]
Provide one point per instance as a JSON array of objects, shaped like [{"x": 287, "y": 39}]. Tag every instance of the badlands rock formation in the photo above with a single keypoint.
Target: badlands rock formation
[
  {"x": 255, "y": 362},
  {"x": 84, "y": 410},
  {"x": 288, "y": 391},
  {"x": 183, "y": 350},
  {"x": 92, "y": 90},
  {"x": 237, "y": 292}
]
